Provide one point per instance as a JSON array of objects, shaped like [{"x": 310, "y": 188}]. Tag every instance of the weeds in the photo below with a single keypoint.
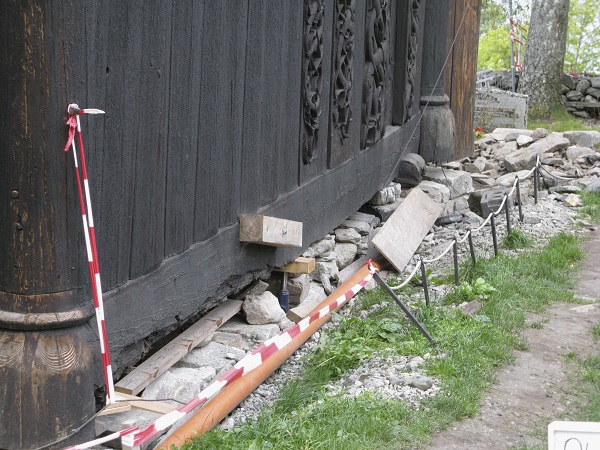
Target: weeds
[
  {"x": 560, "y": 121},
  {"x": 517, "y": 239},
  {"x": 591, "y": 208}
]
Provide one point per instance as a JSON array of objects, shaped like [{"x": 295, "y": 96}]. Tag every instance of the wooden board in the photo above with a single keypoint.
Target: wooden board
[
  {"x": 161, "y": 361},
  {"x": 302, "y": 310},
  {"x": 300, "y": 265},
  {"x": 143, "y": 404},
  {"x": 265, "y": 230},
  {"x": 401, "y": 235}
]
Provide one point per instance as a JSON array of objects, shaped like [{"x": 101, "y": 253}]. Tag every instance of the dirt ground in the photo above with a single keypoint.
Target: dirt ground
[{"x": 531, "y": 393}]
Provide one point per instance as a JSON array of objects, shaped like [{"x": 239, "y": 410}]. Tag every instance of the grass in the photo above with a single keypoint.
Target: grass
[
  {"x": 517, "y": 239},
  {"x": 591, "y": 208},
  {"x": 470, "y": 350},
  {"x": 561, "y": 121}
]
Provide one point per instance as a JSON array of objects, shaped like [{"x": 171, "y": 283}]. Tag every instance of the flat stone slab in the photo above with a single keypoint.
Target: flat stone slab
[
  {"x": 180, "y": 384},
  {"x": 459, "y": 182},
  {"x": 213, "y": 354},
  {"x": 258, "y": 333}
]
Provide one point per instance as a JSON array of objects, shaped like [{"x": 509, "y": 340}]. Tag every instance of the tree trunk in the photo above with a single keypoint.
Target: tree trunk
[{"x": 545, "y": 55}]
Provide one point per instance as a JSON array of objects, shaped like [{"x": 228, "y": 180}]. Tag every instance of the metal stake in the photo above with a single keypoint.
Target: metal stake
[
  {"x": 414, "y": 320},
  {"x": 471, "y": 248},
  {"x": 535, "y": 184},
  {"x": 519, "y": 198},
  {"x": 494, "y": 238},
  {"x": 424, "y": 281},
  {"x": 455, "y": 251},
  {"x": 507, "y": 215}
]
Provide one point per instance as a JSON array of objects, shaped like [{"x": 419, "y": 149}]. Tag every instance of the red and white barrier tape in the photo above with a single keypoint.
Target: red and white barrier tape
[
  {"x": 90, "y": 241},
  {"x": 248, "y": 363},
  {"x": 102, "y": 440}
]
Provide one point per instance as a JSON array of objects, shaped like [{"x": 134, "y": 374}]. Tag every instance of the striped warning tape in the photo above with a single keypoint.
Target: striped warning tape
[{"x": 250, "y": 362}]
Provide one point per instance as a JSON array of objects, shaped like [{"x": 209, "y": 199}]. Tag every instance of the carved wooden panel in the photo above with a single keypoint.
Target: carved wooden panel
[
  {"x": 409, "y": 100},
  {"x": 312, "y": 67},
  {"x": 377, "y": 62}
]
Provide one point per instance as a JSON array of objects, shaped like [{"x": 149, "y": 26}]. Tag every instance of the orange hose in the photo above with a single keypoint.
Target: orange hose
[{"x": 233, "y": 394}]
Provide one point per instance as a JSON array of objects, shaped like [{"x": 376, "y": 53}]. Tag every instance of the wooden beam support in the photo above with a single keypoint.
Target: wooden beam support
[
  {"x": 162, "y": 360},
  {"x": 300, "y": 265},
  {"x": 272, "y": 231},
  {"x": 404, "y": 231},
  {"x": 143, "y": 404}
]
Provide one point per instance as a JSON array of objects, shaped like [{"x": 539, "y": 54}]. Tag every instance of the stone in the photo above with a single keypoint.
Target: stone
[
  {"x": 346, "y": 253},
  {"x": 230, "y": 339},
  {"x": 262, "y": 309},
  {"x": 316, "y": 293},
  {"x": 320, "y": 247},
  {"x": 565, "y": 189},
  {"x": 259, "y": 333},
  {"x": 500, "y": 133},
  {"x": 504, "y": 149},
  {"x": 389, "y": 194},
  {"x": 436, "y": 191},
  {"x": 298, "y": 288},
  {"x": 367, "y": 218},
  {"x": 447, "y": 220},
  {"x": 526, "y": 158},
  {"x": 594, "y": 92},
  {"x": 410, "y": 170},
  {"x": 552, "y": 161},
  {"x": 257, "y": 288},
  {"x": 454, "y": 165},
  {"x": 383, "y": 211},
  {"x": 569, "y": 81},
  {"x": 531, "y": 219},
  {"x": 420, "y": 382},
  {"x": 492, "y": 199},
  {"x": 573, "y": 200},
  {"x": 179, "y": 383},
  {"x": 583, "y": 138},
  {"x": 458, "y": 181},
  {"x": 499, "y": 108},
  {"x": 595, "y": 81},
  {"x": 347, "y": 235},
  {"x": 471, "y": 218},
  {"x": 583, "y": 85},
  {"x": 539, "y": 133},
  {"x": 508, "y": 179},
  {"x": 363, "y": 228},
  {"x": 575, "y": 151},
  {"x": 524, "y": 141},
  {"x": 594, "y": 186},
  {"x": 213, "y": 354},
  {"x": 574, "y": 96}
]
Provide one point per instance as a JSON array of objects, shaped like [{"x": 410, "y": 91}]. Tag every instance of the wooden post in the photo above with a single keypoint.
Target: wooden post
[{"x": 46, "y": 365}]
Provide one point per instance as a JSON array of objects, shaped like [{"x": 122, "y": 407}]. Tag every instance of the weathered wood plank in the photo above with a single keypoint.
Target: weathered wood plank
[
  {"x": 299, "y": 265},
  {"x": 265, "y": 230},
  {"x": 302, "y": 310},
  {"x": 145, "y": 405},
  {"x": 404, "y": 231},
  {"x": 161, "y": 361}
]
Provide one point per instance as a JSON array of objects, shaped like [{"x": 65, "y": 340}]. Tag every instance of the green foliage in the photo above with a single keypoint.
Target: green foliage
[
  {"x": 517, "y": 239},
  {"x": 583, "y": 38},
  {"x": 466, "y": 292},
  {"x": 596, "y": 331},
  {"x": 494, "y": 50},
  {"x": 560, "y": 121},
  {"x": 591, "y": 208}
]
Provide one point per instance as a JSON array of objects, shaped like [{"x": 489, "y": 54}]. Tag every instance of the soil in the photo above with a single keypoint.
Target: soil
[{"x": 533, "y": 391}]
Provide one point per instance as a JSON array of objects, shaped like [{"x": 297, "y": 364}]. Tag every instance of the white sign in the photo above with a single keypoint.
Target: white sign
[{"x": 574, "y": 436}]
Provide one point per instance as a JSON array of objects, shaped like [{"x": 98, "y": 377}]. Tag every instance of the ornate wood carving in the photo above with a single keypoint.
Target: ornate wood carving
[
  {"x": 377, "y": 58},
  {"x": 341, "y": 114},
  {"x": 411, "y": 63},
  {"x": 313, "y": 75}
]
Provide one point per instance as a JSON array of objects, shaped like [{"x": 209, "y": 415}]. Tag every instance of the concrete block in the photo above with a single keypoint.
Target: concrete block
[
  {"x": 496, "y": 108},
  {"x": 491, "y": 200}
]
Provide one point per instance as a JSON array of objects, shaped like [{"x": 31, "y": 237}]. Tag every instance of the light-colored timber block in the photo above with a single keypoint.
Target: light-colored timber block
[
  {"x": 404, "y": 231},
  {"x": 300, "y": 265},
  {"x": 265, "y": 230},
  {"x": 302, "y": 310}
]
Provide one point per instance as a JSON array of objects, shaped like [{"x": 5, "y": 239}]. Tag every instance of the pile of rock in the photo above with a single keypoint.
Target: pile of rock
[{"x": 581, "y": 95}]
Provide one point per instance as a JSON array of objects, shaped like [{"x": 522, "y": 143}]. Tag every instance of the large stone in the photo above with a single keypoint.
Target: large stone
[
  {"x": 258, "y": 333},
  {"x": 180, "y": 383},
  {"x": 346, "y": 253},
  {"x": 594, "y": 186},
  {"x": 363, "y": 228},
  {"x": 347, "y": 235},
  {"x": 230, "y": 340},
  {"x": 539, "y": 133},
  {"x": 320, "y": 247},
  {"x": 410, "y": 170},
  {"x": 458, "y": 181},
  {"x": 298, "y": 288},
  {"x": 498, "y": 108},
  {"x": 583, "y": 138},
  {"x": 436, "y": 191},
  {"x": 569, "y": 81},
  {"x": 476, "y": 166},
  {"x": 574, "y": 96},
  {"x": 526, "y": 158},
  {"x": 316, "y": 293},
  {"x": 504, "y": 149},
  {"x": 367, "y": 218},
  {"x": 576, "y": 151},
  {"x": 583, "y": 85},
  {"x": 389, "y": 194},
  {"x": 595, "y": 81},
  {"x": 524, "y": 141},
  {"x": 262, "y": 309},
  {"x": 500, "y": 133},
  {"x": 508, "y": 179},
  {"x": 213, "y": 355},
  {"x": 383, "y": 211}
]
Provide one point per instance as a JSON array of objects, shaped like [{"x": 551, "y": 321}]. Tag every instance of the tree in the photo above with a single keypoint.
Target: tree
[
  {"x": 544, "y": 56},
  {"x": 494, "y": 50}
]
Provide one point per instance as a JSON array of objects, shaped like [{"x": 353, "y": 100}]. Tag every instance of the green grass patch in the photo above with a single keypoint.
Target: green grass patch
[
  {"x": 517, "y": 239},
  {"x": 591, "y": 208},
  {"x": 469, "y": 351},
  {"x": 561, "y": 120}
]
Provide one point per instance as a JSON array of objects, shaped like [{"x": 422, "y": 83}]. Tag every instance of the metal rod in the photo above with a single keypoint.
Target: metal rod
[
  {"x": 535, "y": 184},
  {"x": 519, "y": 199},
  {"x": 507, "y": 210},
  {"x": 512, "y": 51},
  {"x": 471, "y": 248},
  {"x": 455, "y": 251},
  {"x": 494, "y": 238},
  {"x": 414, "y": 320},
  {"x": 424, "y": 281}
]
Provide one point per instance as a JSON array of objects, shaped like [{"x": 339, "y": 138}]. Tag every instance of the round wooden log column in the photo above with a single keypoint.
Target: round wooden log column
[{"x": 46, "y": 366}]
